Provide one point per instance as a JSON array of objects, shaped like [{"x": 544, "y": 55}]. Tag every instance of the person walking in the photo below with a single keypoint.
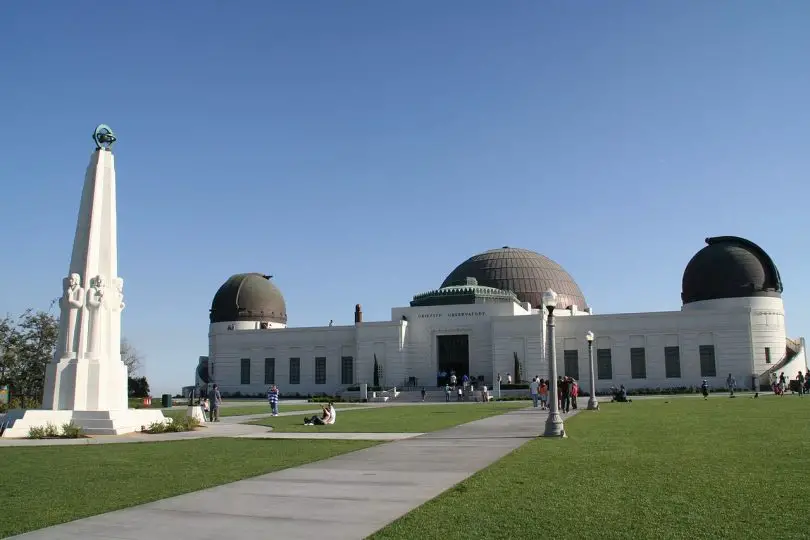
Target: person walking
[
  {"x": 447, "y": 393},
  {"x": 800, "y": 378},
  {"x": 731, "y": 383},
  {"x": 704, "y": 389},
  {"x": 272, "y": 398},
  {"x": 543, "y": 394},
  {"x": 574, "y": 392},
  {"x": 216, "y": 401},
  {"x": 565, "y": 391},
  {"x": 534, "y": 389},
  {"x": 423, "y": 393}
]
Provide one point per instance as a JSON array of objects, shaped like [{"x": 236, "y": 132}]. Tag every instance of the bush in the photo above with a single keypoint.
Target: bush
[
  {"x": 183, "y": 423},
  {"x": 327, "y": 399},
  {"x": 50, "y": 431},
  {"x": 71, "y": 431},
  {"x": 519, "y": 386},
  {"x": 36, "y": 432}
]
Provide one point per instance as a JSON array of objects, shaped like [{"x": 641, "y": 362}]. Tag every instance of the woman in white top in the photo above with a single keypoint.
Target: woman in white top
[{"x": 327, "y": 418}]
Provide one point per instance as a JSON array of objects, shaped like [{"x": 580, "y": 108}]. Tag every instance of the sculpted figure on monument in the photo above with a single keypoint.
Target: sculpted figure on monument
[
  {"x": 115, "y": 301},
  {"x": 72, "y": 300},
  {"x": 95, "y": 297}
]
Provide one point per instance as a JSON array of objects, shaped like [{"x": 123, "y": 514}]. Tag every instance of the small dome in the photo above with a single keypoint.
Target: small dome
[
  {"x": 248, "y": 297},
  {"x": 525, "y": 273},
  {"x": 730, "y": 267}
]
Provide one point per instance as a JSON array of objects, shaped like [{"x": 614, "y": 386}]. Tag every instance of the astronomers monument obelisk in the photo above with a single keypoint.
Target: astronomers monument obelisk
[{"x": 86, "y": 382}]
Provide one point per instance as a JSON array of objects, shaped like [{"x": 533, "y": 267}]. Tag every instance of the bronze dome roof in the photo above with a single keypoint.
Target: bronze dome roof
[
  {"x": 730, "y": 267},
  {"x": 524, "y": 272},
  {"x": 248, "y": 297}
]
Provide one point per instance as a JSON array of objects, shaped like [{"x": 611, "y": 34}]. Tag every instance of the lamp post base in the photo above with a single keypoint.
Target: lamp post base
[
  {"x": 554, "y": 426},
  {"x": 593, "y": 404}
]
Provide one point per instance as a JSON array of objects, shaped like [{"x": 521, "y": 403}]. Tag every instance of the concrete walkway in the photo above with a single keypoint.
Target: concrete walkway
[{"x": 345, "y": 497}]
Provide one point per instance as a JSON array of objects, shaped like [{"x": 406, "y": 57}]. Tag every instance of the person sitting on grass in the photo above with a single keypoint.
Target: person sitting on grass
[{"x": 327, "y": 418}]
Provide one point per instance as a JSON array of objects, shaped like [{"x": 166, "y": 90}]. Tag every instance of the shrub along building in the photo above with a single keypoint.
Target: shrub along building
[{"x": 487, "y": 319}]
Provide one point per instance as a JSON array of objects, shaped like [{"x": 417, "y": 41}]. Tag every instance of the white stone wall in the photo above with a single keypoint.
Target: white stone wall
[
  {"x": 228, "y": 348},
  {"x": 728, "y": 330},
  {"x": 521, "y": 335},
  {"x": 739, "y": 329}
]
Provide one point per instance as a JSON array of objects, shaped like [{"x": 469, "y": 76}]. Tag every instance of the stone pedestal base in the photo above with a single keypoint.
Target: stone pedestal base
[
  {"x": 19, "y": 421},
  {"x": 85, "y": 383},
  {"x": 196, "y": 412}
]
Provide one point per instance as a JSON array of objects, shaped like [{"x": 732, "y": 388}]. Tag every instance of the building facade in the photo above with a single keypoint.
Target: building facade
[{"x": 487, "y": 319}]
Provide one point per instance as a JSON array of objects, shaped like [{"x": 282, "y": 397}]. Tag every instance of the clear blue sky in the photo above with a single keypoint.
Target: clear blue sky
[{"x": 360, "y": 150}]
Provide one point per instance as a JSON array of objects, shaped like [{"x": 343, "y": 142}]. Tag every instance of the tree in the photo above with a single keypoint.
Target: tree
[
  {"x": 376, "y": 372},
  {"x": 27, "y": 345},
  {"x": 138, "y": 387},
  {"x": 518, "y": 370},
  {"x": 131, "y": 357}
]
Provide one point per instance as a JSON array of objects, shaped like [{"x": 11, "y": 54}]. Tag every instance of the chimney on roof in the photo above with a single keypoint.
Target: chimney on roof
[{"x": 358, "y": 314}]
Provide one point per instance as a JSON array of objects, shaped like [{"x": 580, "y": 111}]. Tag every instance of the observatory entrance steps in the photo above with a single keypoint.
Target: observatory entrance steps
[{"x": 434, "y": 395}]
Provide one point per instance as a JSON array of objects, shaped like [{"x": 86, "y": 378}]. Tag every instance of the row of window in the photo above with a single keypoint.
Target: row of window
[
  {"x": 638, "y": 362},
  {"x": 346, "y": 370}
]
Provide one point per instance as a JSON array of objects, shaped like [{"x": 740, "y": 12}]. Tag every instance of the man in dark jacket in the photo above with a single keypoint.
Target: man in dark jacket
[
  {"x": 216, "y": 400},
  {"x": 565, "y": 391}
]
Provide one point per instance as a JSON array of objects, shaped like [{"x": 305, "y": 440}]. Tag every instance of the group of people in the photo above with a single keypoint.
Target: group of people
[
  {"x": 567, "y": 393},
  {"x": 464, "y": 392},
  {"x": 800, "y": 385}
]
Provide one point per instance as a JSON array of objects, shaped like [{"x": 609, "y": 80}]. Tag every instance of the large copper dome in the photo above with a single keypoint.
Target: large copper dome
[
  {"x": 524, "y": 272},
  {"x": 248, "y": 297}
]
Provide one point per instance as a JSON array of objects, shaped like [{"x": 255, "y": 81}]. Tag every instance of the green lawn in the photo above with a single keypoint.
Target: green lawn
[
  {"x": 240, "y": 410},
  {"x": 681, "y": 468},
  {"x": 44, "y": 486},
  {"x": 399, "y": 419}
]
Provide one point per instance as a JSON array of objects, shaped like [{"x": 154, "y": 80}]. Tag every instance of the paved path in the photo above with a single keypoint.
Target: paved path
[{"x": 345, "y": 497}]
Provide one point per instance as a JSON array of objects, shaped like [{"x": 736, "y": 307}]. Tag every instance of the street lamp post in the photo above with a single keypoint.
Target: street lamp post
[
  {"x": 554, "y": 422},
  {"x": 593, "y": 403}
]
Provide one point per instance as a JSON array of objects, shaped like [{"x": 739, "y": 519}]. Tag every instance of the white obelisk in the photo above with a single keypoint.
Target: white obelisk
[
  {"x": 87, "y": 373},
  {"x": 86, "y": 382}
]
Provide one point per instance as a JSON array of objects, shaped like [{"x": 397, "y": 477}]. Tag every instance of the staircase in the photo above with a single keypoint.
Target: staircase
[
  {"x": 792, "y": 349},
  {"x": 435, "y": 396}
]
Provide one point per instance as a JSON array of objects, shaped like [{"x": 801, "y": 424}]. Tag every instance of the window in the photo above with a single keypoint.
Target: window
[
  {"x": 672, "y": 362},
  {"x": 320, "y": 370},
  {"x": 295, "y": 371},
  {"x": 638, "y": 363},
  {"x": 707, "y": 364},
  {"x": 269, "y": 371},
  {"x": 604, "y": 364},
  {"x": 245, "y": 370},
  {"x": 571, "y": 361},
  {"x": 346, "y": 370},
  {"x": 767, "y": 355}
]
